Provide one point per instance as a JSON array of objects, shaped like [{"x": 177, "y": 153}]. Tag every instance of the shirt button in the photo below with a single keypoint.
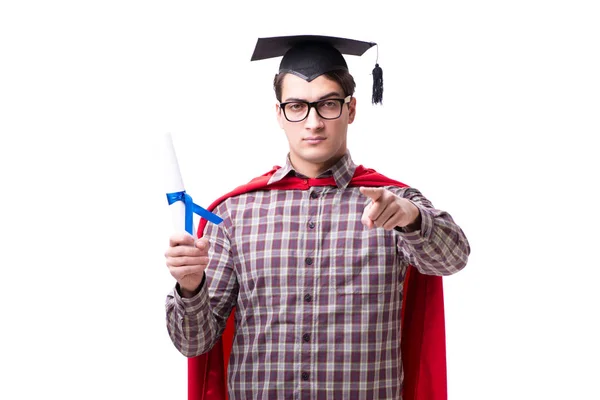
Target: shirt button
[
  {"x": 314, "y": 195},
  {"x": 307, "y": 298},
  {"x": 306, "y": 337},
  {"x": 309, "y": 261},
  {"x": 311, "y": 225},
  {"x": 305, "y": 376}
]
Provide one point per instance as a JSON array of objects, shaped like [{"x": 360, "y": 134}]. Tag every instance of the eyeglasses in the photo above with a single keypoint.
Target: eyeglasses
[{"x": 296, "y": 111}]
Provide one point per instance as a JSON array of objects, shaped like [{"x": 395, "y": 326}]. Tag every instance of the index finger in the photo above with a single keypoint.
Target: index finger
[{"x": 374, "y": 193}]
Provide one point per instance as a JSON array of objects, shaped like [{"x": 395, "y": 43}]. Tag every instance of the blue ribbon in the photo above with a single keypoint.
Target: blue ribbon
[{"x": 190, "y": 209}]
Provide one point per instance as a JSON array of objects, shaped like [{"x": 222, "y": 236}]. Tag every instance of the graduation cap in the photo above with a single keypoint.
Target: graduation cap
[{"x": 310, "y": 56}]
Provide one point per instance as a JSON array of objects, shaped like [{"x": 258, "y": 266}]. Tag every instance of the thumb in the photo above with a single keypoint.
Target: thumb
[
  {"x": 202, "y": 244},
  {"x": 374, "y": 193}
]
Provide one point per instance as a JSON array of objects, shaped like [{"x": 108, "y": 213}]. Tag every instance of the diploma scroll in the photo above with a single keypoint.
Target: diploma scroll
[{"x": 180, "y": 203}]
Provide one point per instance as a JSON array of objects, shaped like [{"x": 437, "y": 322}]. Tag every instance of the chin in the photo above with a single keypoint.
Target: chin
[{"x": 317, "y": 156}]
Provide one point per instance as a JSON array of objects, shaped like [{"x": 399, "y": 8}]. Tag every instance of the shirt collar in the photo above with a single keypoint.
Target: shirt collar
[{"x": 342, "y": 171}]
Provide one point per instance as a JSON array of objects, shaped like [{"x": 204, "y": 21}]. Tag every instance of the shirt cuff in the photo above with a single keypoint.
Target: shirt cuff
[
  {"x": 192, "y": 306},
  {"x": 423, "y": 233}
]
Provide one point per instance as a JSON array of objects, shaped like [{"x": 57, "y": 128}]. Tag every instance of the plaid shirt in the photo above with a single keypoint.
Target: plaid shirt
[{"x": 318, "y": 296}]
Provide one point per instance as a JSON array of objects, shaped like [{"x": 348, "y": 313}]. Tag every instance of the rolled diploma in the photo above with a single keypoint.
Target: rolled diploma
[{"x": 174, "y": 183}]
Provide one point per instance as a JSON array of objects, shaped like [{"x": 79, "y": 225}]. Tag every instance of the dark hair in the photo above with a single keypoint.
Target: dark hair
[{"x": 342, "y": 77}]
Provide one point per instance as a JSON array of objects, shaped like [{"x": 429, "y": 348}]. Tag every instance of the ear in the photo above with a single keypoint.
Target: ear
[
  {"x": 279, "y": 115},
  {"x": 351, "y": 110}
]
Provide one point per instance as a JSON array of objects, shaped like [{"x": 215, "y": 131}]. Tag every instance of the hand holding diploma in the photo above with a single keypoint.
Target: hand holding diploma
[{"x": 187, "y": 257}]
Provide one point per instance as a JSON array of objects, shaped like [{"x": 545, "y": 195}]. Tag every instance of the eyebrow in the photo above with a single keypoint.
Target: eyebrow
[{"x": 330, "y": 94}]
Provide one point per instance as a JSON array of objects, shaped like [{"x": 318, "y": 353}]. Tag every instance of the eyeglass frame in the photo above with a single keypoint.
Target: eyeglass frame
[{"x": 314, "y": 104}]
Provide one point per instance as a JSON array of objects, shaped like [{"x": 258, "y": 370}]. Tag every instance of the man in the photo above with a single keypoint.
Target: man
[{"x": 313, "y": 255}]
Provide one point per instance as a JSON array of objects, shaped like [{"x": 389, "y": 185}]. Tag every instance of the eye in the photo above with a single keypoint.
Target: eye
[
  {"x": 295, "y": 107},
  {"x": 329, "y": 104}
]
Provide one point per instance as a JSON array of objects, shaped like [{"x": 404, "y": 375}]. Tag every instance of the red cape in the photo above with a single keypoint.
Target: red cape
[{"x": 423, "y": 325}]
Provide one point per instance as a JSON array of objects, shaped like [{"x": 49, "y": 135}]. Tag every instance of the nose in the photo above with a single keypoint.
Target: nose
[{"x": 313, "y": 120}]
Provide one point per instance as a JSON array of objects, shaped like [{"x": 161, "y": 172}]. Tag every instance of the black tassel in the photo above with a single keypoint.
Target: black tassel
[{"x": 377, "y": 85}]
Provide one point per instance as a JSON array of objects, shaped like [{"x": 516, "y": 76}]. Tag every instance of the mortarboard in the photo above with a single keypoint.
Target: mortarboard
[{"x": 309, "y": 56}]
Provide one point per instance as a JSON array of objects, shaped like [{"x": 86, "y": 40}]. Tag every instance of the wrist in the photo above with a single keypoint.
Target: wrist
[
  {"x": 188, "y": 292},
  {"x": 415, "y": 225}
]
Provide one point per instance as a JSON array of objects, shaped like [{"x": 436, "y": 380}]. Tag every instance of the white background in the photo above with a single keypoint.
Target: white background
[{"x": 491, "y": 109}]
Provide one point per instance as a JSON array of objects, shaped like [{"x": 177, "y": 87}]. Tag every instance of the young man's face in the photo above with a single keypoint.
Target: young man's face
[{"x": 315, "y": 141}]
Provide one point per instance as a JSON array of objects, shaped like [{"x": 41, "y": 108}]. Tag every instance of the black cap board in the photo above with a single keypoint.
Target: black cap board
[{"x": 310, "y": 56}]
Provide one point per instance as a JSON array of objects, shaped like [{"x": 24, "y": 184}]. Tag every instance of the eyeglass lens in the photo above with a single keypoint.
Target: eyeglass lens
[{"x": 327, "y": 109}]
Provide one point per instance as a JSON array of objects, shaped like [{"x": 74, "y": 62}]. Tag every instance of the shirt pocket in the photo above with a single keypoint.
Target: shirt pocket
[{"x": 368, "y": 270}]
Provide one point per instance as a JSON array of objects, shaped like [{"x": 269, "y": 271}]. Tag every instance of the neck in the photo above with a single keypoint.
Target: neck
[{"x": 311, "y": 169}]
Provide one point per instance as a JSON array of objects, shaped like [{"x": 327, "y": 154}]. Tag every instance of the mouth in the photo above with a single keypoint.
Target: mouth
[{"x": 314, "y": 139}]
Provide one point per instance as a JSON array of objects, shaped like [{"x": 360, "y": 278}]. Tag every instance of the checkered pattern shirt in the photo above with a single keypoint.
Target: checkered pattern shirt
[{"x": 318, "y": 296}]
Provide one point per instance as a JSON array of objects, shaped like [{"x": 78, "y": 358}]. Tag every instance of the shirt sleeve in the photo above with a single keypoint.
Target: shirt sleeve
[
  {"x": 195, "y": 324},
  {"x": 439, "y": 247}
]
